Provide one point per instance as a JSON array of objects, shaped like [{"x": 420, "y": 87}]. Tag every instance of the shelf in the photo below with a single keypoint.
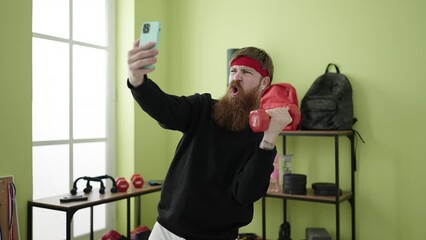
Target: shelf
[
  {"x": 316, "y": 133},
  {"x": 311, "y": 197}
]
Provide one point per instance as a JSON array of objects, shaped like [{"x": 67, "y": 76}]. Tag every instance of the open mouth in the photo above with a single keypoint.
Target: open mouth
[{"x": 234, "y": 91}]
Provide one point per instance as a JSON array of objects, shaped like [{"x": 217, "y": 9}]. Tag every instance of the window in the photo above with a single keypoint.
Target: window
[{"x": 73, "y": 106}]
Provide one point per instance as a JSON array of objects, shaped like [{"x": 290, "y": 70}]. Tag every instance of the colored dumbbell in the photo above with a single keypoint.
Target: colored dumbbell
[
  {"x": 112, "y": 235},
  {"x": 122, "y": 184},
  {"x": 137, "y": 180},
  {"x": 141, "y": 232},
  {"x": 259, "y": 119}
]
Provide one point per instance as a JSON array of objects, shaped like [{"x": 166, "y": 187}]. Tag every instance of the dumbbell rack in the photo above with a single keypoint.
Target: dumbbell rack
[{"x": 94, "y": 199}]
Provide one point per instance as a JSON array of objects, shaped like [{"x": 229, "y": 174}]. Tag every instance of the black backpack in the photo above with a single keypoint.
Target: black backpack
[{"x": 327, "y": 105}]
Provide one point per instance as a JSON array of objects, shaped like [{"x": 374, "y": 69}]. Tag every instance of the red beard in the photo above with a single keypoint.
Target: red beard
[{"x": 232, "y": 112}]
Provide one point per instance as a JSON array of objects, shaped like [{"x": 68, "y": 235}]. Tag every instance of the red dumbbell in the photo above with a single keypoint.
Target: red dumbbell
[
  {"x": 141, "y": 232},
  {"x": 112, "y": 235},
  {"x": 259, "y": 119},
  {"x": 122, "y": 184},
  {"x": 137, "y": 180}
]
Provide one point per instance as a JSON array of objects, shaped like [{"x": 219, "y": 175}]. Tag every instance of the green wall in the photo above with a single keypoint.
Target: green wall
[
  {"x": 379, "y": 45},
  {"x": 15, "y": 101},
  {"x": 125, "y": 113},
  {"x": 137, "y": 134}
]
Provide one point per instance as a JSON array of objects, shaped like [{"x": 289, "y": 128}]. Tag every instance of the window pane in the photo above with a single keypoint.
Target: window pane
[
  {"x": 50, "y": 170},
  {"x": 50, "y": 90},
  {"x": 70, "y": 102},
  {"x": 81, "y": 219},
  {"x": 89, "y": 88},
  {"x": 51, "y": 17},
  {"x": 90, "y": 160},
  {"x": 48, "y": 224},
  {"x": 90, "y": 21}
]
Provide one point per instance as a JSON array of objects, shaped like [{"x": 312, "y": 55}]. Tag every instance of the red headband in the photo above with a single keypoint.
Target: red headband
[{"x": 250, "y": 62}]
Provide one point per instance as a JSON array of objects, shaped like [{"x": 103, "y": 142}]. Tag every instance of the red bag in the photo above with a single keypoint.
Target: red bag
[{"x": 282, "y": 95}]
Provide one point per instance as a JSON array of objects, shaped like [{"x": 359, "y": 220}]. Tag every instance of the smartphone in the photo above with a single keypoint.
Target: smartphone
[
  {"x": 155, "y": 182},
  {"x": 73, "y": 199},
  {"x": 150, "y": 32}
]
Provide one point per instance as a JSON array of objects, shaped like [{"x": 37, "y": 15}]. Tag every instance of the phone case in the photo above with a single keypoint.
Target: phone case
[
  {"x": 73, "y": 199},
  {"x": 150, "y": 32}
]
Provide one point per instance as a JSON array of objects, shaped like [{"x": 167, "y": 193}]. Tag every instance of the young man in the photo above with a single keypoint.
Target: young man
[{"x": 220, "y": 167}]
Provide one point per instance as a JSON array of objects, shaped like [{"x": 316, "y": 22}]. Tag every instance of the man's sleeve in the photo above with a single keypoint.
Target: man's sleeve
[
  {"x": 253, "y": 179},
  {"x": 170, "y": 111}
]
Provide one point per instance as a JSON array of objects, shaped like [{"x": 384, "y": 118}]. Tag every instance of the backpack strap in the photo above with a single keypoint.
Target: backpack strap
[{"x": 335, "y": 66}]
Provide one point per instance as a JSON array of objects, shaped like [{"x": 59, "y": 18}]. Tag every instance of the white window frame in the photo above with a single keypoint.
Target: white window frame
[{"x": 111, "y": 100}]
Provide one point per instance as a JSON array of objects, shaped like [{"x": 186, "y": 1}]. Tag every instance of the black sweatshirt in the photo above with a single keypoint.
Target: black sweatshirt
[{"x": 216, "y": 175}]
